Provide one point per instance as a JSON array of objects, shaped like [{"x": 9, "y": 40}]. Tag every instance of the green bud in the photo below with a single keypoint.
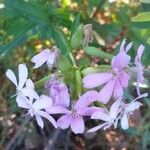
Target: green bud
[{"x": 78, "y": 83}]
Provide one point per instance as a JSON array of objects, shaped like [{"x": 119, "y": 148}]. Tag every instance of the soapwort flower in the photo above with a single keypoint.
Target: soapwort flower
[
  {"x": 21, "y": 89},
  {"x": 113, "y": 81},
  {"x": 37, "y": 108},
  {"x": 109, "y": 117},
  {"x": 74, "y": 117},
  {"x": 59, "y": 93},
  {"x": 128, "y": 109},
  {"x": 48, "y": 56}
]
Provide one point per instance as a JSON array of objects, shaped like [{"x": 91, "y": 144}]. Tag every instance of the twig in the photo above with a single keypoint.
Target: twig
[
  {"x": 52, "y": 141},
  {"x": 11, "y": 145}
]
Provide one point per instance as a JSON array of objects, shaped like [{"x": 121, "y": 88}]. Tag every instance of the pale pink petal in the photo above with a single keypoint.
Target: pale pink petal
[
  {"x": 88, "y": 111},
  {"x": 64, "y": 121},
  {"x": 106, "y": 92},
  {"x": 40, "y": 58},
  {"x": 107, "y": 126},
  {"x": 51, "y": 60},
  {"x": 39, "y": 121},
  {"x": 29, "y": 84},
  {"x": 48, "y": 117},
  {"x": 22, "y": 102},
  {"x": 128, "y": 47},
  {"x": 95, "y": 80},
  {"x": 124, "y": 122},
  {"x": 11, "y": 76},
  {"x": 94, "y": 129},
  {"x": 121, "y": 60},
  {"x": 124, "y": 79},
  {"x": 86, "y": 99},
  {"x": 133, "y": 106},
  {"x": 43, "y": 102},
  {"x": 64, "y": 97},
  {"x": 57, "y": 110},
  {"x": 77, "y": 125},
  {"x": 122, "y": 45},
  {"x": 23, "y": 75},
  {"x": 31, "y": 93},
  {"x": 101, "y": 116},
  {"x": 114, "y": 109},
  {"x": 140, "y": 51},
  {"x": 118, "y": 90}
]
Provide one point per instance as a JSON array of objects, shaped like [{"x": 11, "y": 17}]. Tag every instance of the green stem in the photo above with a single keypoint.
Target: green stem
[
  {"x": 40, "y": 83},
  {"x": 78, "y": 78},
  {"x": 72, "y": 59}
]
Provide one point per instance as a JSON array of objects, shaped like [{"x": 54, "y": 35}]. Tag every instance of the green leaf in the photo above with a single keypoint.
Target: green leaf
[
  {"x": 77, "y": 37},
  {"x": 142, "y": 17},
  {"x": 21, "y": 37},
  {"x": 93, "y": 51},
  {"x": 145, "y": 1},
  {"x": 28, "y": 10},
  {"x": 64, "y": 64},
  {"x": 101, "y": 68},
  {"x": 60, "y": 40},
  {"x": 75, "y": 24}
]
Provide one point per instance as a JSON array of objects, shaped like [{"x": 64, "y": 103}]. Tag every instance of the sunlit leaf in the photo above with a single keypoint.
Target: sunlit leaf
[{"x": 142, "y": 17}]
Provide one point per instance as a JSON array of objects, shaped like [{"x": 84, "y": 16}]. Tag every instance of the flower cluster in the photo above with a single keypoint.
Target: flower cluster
[{"x": 72, "y": 113}]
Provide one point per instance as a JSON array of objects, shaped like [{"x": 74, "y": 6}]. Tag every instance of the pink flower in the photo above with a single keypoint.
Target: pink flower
[
  {"x": 36, "y": 108},
  {"x": 50, "y": 57},
  {"x": 58, "y": 91},
  {"x": 139, "y": 67},
  {"x": 74, "y": 118},
  {"x": 21, "y": 89},
  {"x": 127, "y": 110},
  {"x": 109, "y": 117},
  {"x": 113, "y": 81}
]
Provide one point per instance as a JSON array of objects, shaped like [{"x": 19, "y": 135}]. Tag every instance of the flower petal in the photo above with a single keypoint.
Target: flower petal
[
  {"x": 86, "y": 99},
  {"x": 57, "y": 110},
  {"x": 94, "y": 129},
  {"x": 124, "y": 79},
  {"x": 77, "y": 125},
  {"x": 43, "y": 102},
  {"x": 64, "y": 97},
  {"x": 29, "y": 84},
  {"x": 118, "y": 90},
  {"x": 106, "y": 91},
  {"x": 121, "y": 60},
  {"x": 133, "y": 106},
  {"x": 31, "y": 93},
  {"x": 64, "y": 121},
  {"x": 40, "y": 58},
  {"x": 23, "y": 75},
  {"x": 124, "y": 122},
  {"x": 128, "y": 47},
  {"x": 48, "y": 117},
  {"x": 101, "y": 116},
  {"x": 88, "y": 111},
  {"x": 22, "y": 102},
  {"x": 51, "y": 60},
  {"x": 95, "y": 80},
  {"x": 114, "y": 109},
  {"x": 39, "y": 121},
  {"x": 11, "y": 76}
]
